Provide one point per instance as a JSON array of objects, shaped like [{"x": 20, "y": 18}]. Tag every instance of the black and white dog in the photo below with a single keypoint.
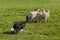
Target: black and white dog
[{"x": 18, "y": 26}]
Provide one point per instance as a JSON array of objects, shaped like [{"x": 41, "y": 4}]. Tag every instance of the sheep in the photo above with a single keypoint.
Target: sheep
[
  {"x": 40, "y": 15},
  {"x": 30, "y": 17},
  {"x": 47, "y": 14},
  {"x": 43, "y": 15}
]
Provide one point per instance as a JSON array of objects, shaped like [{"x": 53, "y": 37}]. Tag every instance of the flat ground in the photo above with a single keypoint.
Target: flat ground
[{"x": 16, "y": 10}]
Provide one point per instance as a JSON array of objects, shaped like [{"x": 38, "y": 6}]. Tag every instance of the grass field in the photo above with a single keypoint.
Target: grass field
[{"x": 16, "y": 10}]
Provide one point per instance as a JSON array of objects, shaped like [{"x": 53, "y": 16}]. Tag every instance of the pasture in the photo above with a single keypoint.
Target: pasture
[{"x": 16, "y": 10}]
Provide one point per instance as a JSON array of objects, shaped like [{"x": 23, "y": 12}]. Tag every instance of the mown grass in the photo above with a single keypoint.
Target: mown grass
[{"x": 11, "y": 12}]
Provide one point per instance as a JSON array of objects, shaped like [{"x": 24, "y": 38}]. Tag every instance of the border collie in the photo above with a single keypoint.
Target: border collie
[{"x": 18, "y": 26}]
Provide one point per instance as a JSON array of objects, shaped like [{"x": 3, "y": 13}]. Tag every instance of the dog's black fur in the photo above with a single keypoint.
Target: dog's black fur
[{"x": 18, "y": 26}]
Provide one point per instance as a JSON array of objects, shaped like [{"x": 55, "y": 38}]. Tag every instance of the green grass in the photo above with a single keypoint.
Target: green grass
[{"x": 16, "y": 10}]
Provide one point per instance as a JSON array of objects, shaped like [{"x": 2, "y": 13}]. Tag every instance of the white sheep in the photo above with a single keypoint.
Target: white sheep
[
  {"x": 43, "y": 15},
  {"x": 30, "y": 17},
  {"x": 47, "y": 14}
]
